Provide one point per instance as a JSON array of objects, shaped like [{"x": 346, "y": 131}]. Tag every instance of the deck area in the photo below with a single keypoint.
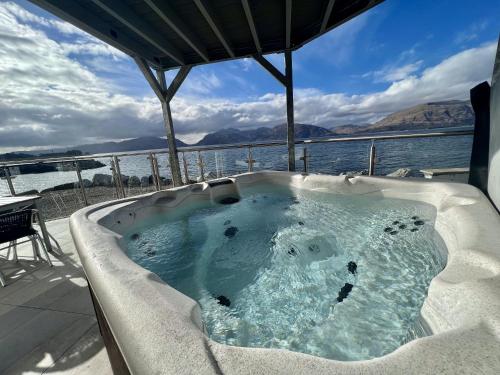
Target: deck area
[{"x": 47, "y": 320}]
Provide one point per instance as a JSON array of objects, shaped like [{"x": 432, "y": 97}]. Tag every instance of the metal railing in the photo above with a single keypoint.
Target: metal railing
[{"x": 158, "y": 181}]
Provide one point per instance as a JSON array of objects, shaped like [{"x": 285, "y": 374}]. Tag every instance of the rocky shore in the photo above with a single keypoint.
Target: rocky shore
[{"x": 64, "y": 199}]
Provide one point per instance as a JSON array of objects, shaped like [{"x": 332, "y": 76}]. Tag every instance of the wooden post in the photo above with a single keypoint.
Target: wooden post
[
  {"x": 173, "y": 159},
  {"x": 289, "y": 111},
  {"x": 165, "y": 95}
]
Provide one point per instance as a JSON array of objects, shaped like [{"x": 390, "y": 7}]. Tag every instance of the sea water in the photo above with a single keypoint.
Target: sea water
[{"x": 337, "y": 276}]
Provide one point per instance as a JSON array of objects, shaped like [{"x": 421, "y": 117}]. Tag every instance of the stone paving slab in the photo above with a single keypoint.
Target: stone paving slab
[{"x": 47, "y": 320}]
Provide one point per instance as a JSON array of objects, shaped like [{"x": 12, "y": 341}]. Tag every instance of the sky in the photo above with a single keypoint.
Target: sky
[{"x": 61, "y": 87}]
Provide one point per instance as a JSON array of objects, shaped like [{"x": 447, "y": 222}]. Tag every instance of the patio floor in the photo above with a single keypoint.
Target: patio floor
[{"x": 47, "y": 320}]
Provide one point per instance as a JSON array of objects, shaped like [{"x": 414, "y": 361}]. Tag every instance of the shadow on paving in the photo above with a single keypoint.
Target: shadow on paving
[{"x": 47, "y": 320}]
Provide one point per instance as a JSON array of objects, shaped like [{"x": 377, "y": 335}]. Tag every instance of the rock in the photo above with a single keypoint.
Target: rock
[
  {"x": 134, "y": 237},
  {"x": 230, "y": 232},
  {"x": 344, "y": 292},
  {"x": 90, "y": 164},
  {"x": 124, "y": 180},
  {"x": 145, "y": 181},
  {"x": 100, "y": 179},
  {"x": 301, "y": 223},
  {"x": 165, "y": 181},
  {"x": 86, "y": 184},
  {"x": 134, "y": 181},
  {"x": 401, "y": 172}
]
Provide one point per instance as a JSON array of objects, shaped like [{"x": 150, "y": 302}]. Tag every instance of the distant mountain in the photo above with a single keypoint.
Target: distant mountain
[
  {"x": 276, "y": 133},
  {"x": 348, "y": 129},
  {"x": 136, "y": 144},
  {"x": 430, "y": 115},
  {"x": 451, "y": 113}
]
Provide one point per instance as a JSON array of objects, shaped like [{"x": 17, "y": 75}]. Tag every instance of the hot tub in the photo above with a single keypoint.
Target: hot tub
[{"x": 276, "y": 272}]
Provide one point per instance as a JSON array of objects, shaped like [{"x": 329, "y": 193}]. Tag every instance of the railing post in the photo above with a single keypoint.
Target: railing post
[
  {"x": 152, "y": 158},
  {"x": 9, "y": 181},
  {"x": 156, "y": 167},
  {"x": 371, "y": 166},
  {"x": 305, "y": 157},
  {"x": 185, "y": 166},
  {"x": 250, "y": 160},
  {"x": 115, "y": 180},
  {"x": 119, "y": 176},
  {"x": 201, "y": 166},
  {"x": 80, "y": 182},
  {"x": 216, "y": 155}
]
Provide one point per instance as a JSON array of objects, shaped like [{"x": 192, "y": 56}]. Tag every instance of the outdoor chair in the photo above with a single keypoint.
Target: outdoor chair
[{"x": 17, "y": 225}]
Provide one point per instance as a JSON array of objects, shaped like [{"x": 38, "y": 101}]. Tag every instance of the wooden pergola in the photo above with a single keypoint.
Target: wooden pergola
[{"x": 180, "y": 34}]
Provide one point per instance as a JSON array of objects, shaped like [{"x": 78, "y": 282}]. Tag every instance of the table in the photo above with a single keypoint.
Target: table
[{"x": 19, "y": 202}]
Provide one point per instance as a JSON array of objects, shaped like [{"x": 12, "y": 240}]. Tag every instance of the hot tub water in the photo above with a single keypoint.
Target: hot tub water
[{"x": 337, "y": 276}]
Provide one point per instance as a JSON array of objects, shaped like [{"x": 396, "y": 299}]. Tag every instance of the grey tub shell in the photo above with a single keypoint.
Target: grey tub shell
[{"x": 159, "y": 330}]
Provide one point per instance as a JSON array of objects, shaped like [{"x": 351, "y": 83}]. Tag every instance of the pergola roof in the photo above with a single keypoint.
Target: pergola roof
[{"x": 175, "y": 33}]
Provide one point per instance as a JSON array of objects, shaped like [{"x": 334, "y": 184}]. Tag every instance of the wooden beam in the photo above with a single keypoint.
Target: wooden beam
[
  {"x": 177, "y": 82},
  {"x": 251, "y": 24},
  {"x": 167, "y": 14},
  {"x": 124, "y": 14},
  {"x": 288, "y": 23},
  {"x": 153, "y": 82},
  {"x": 326, "y": 16},
  {"x": 271, "y": 69},
  {"x": 208, "y": 13}
]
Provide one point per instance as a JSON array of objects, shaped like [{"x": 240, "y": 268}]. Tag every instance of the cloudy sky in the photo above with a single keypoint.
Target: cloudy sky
[{"x": 61, "y": 87}]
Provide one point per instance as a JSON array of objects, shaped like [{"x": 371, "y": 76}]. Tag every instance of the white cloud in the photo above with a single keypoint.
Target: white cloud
[
  {"x": 471, "y": 33},
  {"x": 49, "y": 97},
  {"x": 23, "y": 15},
  {"x": 394, "y": 73}
]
